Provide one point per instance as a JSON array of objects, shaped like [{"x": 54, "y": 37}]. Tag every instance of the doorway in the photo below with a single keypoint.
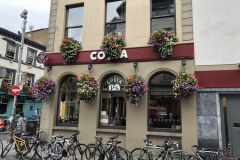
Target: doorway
[{"x": 230, "y": 112}]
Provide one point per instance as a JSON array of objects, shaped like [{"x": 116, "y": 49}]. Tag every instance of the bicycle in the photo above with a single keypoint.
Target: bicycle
[
  {"x": 23, "y": 147},
  {"x": 1, "y": 147},
  {"x": 209, "y": 153},
  {"x": 53, "y": 151},
  {"x": 108, "y": 150},
  {"x": 157, "y": 151}
]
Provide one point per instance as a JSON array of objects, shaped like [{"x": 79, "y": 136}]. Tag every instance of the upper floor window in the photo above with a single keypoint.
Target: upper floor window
[
  {"x": 163, "y": 15},
  {"x": 116, "y": 18},
  {"x": 28, "y": 80},
  {"x": 74, "y": 23},
  {"x": 68, "y": 102},
  {"x": 9, "y": 78},
  {"x": 164, "y": 109},
  {"x": 11, "y": 50},
  {"x": 113, "y": 105},
  {"x": 31, "y": 56}
]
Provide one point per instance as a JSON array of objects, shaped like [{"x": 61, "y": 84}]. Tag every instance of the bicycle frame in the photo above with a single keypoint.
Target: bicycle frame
[
  {"x": 151, "y": 150},
  {"x": 19, "y": 140}
]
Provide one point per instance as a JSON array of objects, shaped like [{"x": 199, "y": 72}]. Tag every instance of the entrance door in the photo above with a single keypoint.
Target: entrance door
[{"x": 231, "y": 110}]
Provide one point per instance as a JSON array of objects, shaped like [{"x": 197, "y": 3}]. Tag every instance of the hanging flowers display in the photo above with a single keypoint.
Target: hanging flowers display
[
  {"x": 27, "y": 90},
  {"x": 134, "y": 88},
  {"x": 87, "y": 88},
  {"x": 42, "y": 88},
  {"x": 184, "y": 85},
  {"x": 8, "y": 89},
  {"x": 69, "y": 48},
  {"x": 112, "y": 46},
  {"x": 162, "y": 41}
]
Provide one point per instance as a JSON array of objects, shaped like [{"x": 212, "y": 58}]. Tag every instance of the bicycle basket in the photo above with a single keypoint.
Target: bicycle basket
[{"x": 173, "y": 145}]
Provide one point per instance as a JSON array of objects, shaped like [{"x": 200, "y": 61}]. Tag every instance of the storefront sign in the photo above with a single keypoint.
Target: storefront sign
[
  {"x": 114, "y": 84},
  {"x": 101, "y": 55}
]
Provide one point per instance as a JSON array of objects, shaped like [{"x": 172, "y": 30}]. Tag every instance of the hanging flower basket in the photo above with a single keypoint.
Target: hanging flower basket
[
  {"x": 8, "y": 89},
  {"x": 69, "y": 48},
  {"x": 87, "y": 88},
  {"x": 162, "y": 41},
  {"x": 184, "y": 85},
  {"x": 42, "y": 88},
  {"x": 112, "y": 46},
  {"x": 134, "y": 88},
  {"x": 27, "y": 90}
]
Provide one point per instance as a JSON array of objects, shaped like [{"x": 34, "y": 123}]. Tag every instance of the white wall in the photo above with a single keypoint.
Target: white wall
[
  {"x": 14, "y": 65},
  {"x": 216, "y": 26}
]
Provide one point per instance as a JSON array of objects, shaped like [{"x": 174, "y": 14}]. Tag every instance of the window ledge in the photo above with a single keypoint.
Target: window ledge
[
  {"x": 65, "y": 128},
  {"x": 110, "y": 130},
  {"x": 166, "y": 134},
  {"x": 175, "y": 40}
]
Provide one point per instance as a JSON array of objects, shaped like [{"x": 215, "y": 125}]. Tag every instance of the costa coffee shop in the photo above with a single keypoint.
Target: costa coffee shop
[{"x": 158, "y": 115}]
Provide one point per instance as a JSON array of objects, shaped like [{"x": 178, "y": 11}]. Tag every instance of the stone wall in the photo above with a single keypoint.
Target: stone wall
[
  {"x": 39, "y": 36},
  {"x": 187, "y": 20}
]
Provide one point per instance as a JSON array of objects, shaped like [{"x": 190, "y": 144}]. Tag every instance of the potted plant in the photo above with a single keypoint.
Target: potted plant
[
  {"x": 42, "y": 88},
  {"x": 134, "y": 88},
  {"x": 87, "y": 88},
  {"x": 69, "y": 48},
  {"x": 112, "y": 46},
  {"x": 8, "y": 89},
  {"x": 163, "y": 42},
  {"x": 184, "y": 85},
  {"x": 27, "y": 90}
]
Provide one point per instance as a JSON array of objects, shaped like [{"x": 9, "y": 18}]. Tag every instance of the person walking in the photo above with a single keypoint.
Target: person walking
[
  {"x": 21, "y": 124},
  {"x": 37, "y": 115}
]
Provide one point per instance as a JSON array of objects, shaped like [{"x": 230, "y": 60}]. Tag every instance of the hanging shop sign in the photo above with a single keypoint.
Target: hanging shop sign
[
  {"x": 42, "y": 57},
  {"x": 101, "y": 55}
]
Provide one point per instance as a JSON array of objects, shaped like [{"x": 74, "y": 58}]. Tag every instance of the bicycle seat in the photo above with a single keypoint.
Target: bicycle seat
[
  {"x": 98, "y": 137},
  {"x": 25, "y": 134},
  {"x": 196, "y": 146},
  {"x": 147, "y": 141},
  {"x": 117, "y": 142},
  {"x": 58, "y": 136}
]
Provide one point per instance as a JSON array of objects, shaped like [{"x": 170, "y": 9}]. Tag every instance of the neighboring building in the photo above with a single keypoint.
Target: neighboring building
[
  {"x": 39, "y": 36},
  {"x": 158, "y": 115},
  {"x": 31, "y": 70},
  {"x": 217, "y": 59}
]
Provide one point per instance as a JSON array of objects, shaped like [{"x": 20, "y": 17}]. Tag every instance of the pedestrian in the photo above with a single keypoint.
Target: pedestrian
[
  {"x": 21, "y": 124},
  {"x": 37, "y": 115}
]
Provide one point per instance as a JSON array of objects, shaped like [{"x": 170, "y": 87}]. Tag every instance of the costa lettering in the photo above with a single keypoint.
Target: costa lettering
[{"x": 101, "y": 55}]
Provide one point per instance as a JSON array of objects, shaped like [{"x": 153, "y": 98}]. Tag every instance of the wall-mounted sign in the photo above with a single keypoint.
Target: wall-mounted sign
[
  {"x": 101, "y": 55},
  {"x": 113, "y": 83},
  {"x": 42, "y": 57}
]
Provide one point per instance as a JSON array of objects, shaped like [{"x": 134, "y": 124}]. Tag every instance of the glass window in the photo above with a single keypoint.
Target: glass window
[
  {"x": 68, "y": 102},
  {"x": 8, "y": 79},
  {"x": 28, "y": 80},
  {"x": 163, "y": 15},
  {"x": 31, "y": 56},
  {"x": 74, "y": 23},
  {"x": 11, "y": 50},
  {"x": 113, "y": 105},
  {"x": 3, "y": 108},
  {"x": 164, "y": 109},
  {"x": 116, "y": 17}
]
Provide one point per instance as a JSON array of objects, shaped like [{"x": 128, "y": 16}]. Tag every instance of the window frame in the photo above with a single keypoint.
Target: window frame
[
  {"x": 13, "y": 76},
  {"x": 148, "y": 112},
  {"x": 116, "y": 22},
  {"x": 100, "y": 105},
  {"x": 163, "y": 16},
  {"x": 32, "y": 79},
  {"x": 58, "y": 105},
  {"x": 34, "y": 58},
  {"x": 66, "y": 19},
  {"x": 16, "y": 50}
]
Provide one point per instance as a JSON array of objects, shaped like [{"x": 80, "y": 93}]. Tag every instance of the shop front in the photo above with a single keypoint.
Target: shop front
[{"x": 157, "y": 116}]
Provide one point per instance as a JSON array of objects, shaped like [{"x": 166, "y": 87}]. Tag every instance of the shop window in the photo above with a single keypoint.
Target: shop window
[
  {"x": 164, "y": 109},
  {"x": 113, "y": 105},
  {"x": 31, "y": 56},
  {"x": 68, "y": 102},
  {"x": 19, "y": 107},
  {"x": 3, "y": 108},
  {"x": 8, "y": 79},
  {"x": 74, "y": 23},
  {"x": 163, "y": 15},
  {"x": 11, "y": 50},
  {"x": 116, "y": 18}
]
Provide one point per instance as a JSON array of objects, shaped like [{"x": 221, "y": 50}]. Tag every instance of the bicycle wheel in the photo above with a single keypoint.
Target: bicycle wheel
[
  {"x": 139, "y": 154},
  {"x": 7, "y": 148},
  {"x": 95, "y": 154},
  {"x": 28, "y": 151},
  {"x": 40, "y": 144},
  {"x": 1, "y": 147},
  {"x": 46, "y": 149},
  {"x": 119, "y": 154},
  {"x": 71, "y": 153},
  {"x": 190, "y": 157},
  {"x": 82, "y": 152}
]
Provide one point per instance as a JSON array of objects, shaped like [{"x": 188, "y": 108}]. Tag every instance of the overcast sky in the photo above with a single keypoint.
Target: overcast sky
[{"x": 38, "y": 14}]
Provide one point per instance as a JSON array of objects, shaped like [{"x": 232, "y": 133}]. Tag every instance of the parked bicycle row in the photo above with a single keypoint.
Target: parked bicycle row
[{"x": 28, "y": 147}]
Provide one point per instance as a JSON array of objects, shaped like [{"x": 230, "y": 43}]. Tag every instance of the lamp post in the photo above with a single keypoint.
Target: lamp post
[{"x": 12, "y": 122}]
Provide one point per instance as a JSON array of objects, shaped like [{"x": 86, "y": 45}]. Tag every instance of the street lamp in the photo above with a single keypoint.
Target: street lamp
[{"x": 12, "y": 122}]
